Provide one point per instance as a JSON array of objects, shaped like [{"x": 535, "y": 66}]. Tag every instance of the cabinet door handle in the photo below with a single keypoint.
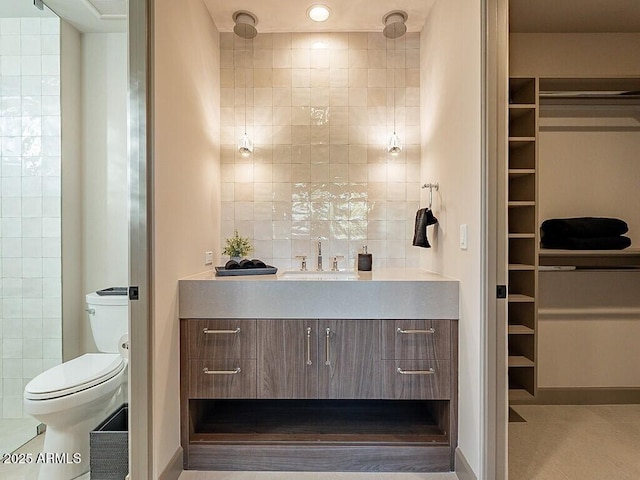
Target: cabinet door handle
[
  {"x": 221, "y": 372},
  {"x": 230, "y": 332},
  {"x": 326, "y": 351},
  {"x": 309, "y": 362},
  {"x": 428, "y": 331},
  {"x": 431, "y": 371}
]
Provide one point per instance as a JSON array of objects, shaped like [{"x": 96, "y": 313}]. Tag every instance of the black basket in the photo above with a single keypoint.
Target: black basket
[{"x": 109, "y": 447}]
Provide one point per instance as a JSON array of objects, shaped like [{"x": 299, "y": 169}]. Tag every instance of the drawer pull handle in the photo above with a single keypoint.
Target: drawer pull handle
[
  {"x": 221, "y": 372},
  {"x": 231, "y": 332},
  {"x": 431, "y": 371},
  {"x": 309, "y": 362},
  {"x": 428, "y": 331},
  {"x": 327, "y": 354}
]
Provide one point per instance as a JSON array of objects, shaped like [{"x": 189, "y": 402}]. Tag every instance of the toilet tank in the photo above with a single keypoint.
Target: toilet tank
[{"x": 109, "y": 319}]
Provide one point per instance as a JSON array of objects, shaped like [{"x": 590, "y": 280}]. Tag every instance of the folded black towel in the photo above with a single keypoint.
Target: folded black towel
[
  {"x": 583, "y": 227},
  {"x": 594, "y": 243},
  {"x": 424, "y": 218},
  {"x": 231, "y": 265},
  {"x": 246, "y": 263}
]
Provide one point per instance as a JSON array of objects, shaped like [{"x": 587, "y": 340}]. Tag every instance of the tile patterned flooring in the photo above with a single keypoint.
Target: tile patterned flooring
[
  {"x": 569, "y": 442},
  {"x": 15, "y": 432}
]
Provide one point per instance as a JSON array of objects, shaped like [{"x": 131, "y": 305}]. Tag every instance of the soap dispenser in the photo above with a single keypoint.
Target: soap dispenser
[{"x": 365, "y": 260}]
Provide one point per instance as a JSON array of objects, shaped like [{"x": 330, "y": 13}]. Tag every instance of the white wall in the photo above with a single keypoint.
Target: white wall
[
  {"x": 451, "y": 155},
  {"x": 74, "y": 324},
  {"x": 574, "y": 54},
  {"x": 105, "y": 249},
  {"x": 591, "y": 171},
  {"x": 186, "y": 217},
  {"x": 104, "y": 152}
]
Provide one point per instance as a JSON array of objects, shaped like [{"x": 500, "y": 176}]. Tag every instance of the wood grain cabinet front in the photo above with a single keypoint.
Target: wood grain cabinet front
[
  {"x": 222, "y": 338},
  {"x": 416, "y": 339},
  {"x": 416, "y": 359},
  {"x": 287, "y": 359},
  {"x": 301, "y": 394},
  {"x": 416, "y": 379},
  {"x": 329, "y": 359},
  {"x": 221, "y": 358},
  {"x": 212, "y": 378}
]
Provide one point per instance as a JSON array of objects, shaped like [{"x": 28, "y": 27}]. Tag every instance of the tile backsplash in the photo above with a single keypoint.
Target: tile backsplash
[{"x": 319, "y": 109}]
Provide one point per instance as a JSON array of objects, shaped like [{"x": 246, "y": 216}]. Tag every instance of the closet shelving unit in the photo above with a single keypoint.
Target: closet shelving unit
[{"x": 522, "y": 236}]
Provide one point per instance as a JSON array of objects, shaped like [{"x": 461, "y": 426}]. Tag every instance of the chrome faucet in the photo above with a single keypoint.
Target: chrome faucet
[{"x": 319, "y": 267}]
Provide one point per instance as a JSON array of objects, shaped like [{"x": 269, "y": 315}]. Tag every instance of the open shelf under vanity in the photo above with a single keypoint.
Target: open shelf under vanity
[{"x": 320, "y": 435}]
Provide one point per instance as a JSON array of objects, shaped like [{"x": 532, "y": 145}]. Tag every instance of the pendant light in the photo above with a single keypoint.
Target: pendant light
[
  {"x": 245, "y": 27},
  {"x": 394, "y": 27}
]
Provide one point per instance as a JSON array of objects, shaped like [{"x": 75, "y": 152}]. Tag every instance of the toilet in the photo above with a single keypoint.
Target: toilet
[{"x": 72, "y": 398}]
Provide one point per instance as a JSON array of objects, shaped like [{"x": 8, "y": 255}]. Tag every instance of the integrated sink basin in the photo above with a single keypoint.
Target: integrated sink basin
[{"x": 319, "y": 275}]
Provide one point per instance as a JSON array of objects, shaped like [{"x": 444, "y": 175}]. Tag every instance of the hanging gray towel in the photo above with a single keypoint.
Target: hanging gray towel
[{"x": 424, "y": 218}]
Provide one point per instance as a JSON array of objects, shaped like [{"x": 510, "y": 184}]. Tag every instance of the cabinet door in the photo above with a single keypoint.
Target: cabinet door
[
  {"x": 349, "y": 358},
  {"x": 287, "y": 359}
]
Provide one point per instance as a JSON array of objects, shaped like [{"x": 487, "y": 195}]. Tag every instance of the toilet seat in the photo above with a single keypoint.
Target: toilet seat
[{"x": 75, "y": 375}]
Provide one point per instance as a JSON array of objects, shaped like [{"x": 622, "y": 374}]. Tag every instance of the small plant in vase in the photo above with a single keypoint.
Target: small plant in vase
[{"x": 237, "y": 247}]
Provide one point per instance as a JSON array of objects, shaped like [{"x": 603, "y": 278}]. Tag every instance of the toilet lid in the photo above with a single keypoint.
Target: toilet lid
[{"x": 78, "y": 374}]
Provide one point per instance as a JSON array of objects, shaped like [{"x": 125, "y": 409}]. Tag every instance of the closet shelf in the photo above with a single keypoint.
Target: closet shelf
[
  {"x": 522, "y": 235},
  {"x": 521, "y": 267},
  {"x": 520, "y": 330},
  {"x": 601, "y": 259},
  {"x": 520, "y": 298},
  {"x": 519, "y": 394},
  {"x": 518, "y": 361},
  {"x": 522, "y": 203},
  {"x": 521, "y": 171},
  {"x": 521, "y": 140}
]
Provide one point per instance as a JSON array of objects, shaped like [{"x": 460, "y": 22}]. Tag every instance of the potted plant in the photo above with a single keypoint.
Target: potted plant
[{"x": 237, "y": 246}]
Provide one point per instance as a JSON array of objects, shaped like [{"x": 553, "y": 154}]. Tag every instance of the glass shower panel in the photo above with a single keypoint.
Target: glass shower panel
[{"x": 30, "y": 200}]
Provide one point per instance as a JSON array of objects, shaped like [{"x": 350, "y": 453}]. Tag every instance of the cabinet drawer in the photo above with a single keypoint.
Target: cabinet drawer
[
  {"x": 222, "y": 339},
  {"x": 222, "y": 378},
  {"x": 416, "y": 379},
  {"x": 416, "y": 339}
]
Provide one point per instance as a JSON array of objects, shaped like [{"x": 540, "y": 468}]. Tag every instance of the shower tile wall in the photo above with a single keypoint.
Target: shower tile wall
[
  {"x": 30, "y": 204},
  {"x": 319, "y": 109}
]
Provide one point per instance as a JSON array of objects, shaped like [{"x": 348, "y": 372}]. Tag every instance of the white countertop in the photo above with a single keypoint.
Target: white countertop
[
  {"x": 385, "y": 275},
  {"x": 410, "y": 293}
]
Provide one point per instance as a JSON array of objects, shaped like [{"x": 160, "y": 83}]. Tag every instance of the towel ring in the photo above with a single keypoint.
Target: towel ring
[{"x": 431, "y": 187}]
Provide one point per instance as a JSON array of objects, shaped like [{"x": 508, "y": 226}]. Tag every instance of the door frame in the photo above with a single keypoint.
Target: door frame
[
  {"x": 140, "y": 109},
  {"x": 495, "y": 75}
]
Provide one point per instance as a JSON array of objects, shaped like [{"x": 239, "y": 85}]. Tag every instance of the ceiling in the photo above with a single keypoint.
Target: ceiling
[
  {"x": 85, "y": 15},
  {"x": 574, "y": 16},
  {"x": 291, "y": 15}
]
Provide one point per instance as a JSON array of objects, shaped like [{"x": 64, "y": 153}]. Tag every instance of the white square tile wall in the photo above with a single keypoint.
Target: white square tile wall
[
  {"x": 319, "y": 109},
  {"x": 30, "y": 293}
]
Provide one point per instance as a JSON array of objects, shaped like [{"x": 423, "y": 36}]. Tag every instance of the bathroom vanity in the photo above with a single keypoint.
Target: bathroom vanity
[{"x": 319, "y": 375}]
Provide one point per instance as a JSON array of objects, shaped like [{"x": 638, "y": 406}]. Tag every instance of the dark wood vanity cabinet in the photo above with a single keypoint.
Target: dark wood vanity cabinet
[{"x": 353, "y": 395}]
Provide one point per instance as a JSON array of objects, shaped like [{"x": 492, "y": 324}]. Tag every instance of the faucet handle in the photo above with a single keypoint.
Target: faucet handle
[
  {"x": 303, "y": 262},
  {"x": 334, "y": 262}
]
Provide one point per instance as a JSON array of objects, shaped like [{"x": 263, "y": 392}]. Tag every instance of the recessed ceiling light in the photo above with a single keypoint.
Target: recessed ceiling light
[{"x": 318, "y": 13}]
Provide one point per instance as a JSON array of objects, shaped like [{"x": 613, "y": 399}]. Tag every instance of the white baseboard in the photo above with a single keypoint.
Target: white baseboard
[
  {"x": 174, "y": 468},
  {"x": 463, "y": 470}
]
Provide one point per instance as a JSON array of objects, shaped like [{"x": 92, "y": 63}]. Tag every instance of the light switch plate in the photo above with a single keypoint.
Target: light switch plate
[
  {"x": 463, "y": 236},
  {"x": 208, "y": 258}
]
